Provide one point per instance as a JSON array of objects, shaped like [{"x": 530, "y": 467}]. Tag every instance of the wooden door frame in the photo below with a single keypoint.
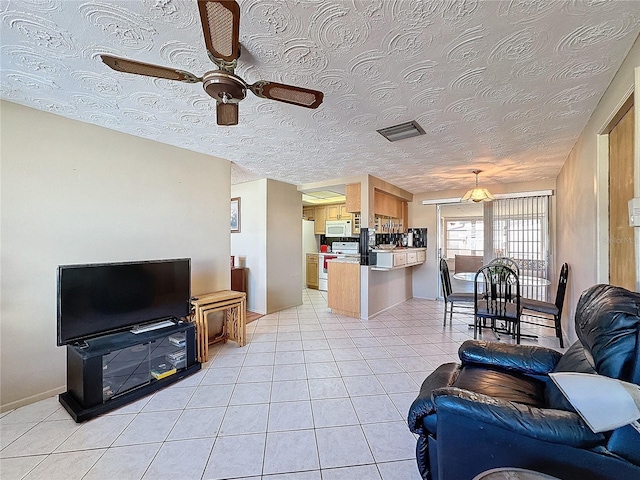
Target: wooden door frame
[{"x": 602, "y": 180}]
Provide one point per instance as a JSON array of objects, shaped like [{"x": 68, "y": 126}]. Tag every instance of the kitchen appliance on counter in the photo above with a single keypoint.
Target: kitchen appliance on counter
[
  {"x": 340, "y": 250},
  {"x": 338, "y": 228}
]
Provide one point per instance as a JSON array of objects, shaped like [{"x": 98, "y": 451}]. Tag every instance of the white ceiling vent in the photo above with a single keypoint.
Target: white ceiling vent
[{"x": 402, "y": 131}]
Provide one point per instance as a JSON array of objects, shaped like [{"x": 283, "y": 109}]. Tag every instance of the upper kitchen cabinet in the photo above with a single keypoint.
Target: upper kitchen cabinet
[
  {"x": 338, "y": 212},
  {"x": 391, "y": 213},
  {"x": 353, "y": 204},
  {"x": 333, "y": 212},
  {"x": 387, "y": 206},
  {"x": 322, "y": 213},
  {"x": 320, "y": 220},
  {"x": 309, "y": 213}
]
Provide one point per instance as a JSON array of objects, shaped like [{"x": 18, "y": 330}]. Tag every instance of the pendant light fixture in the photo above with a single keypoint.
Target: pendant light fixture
[{"x": 477, "y": 194}]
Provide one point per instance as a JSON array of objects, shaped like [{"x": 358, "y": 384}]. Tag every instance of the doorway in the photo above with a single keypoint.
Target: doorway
[
  {"x": 461, "y": 240},
  {"x": 622, "y": 266}
]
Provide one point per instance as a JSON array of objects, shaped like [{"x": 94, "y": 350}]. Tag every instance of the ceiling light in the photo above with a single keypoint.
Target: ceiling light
[
  {"x": 477, "y": 194},
  {"x": 322, "y": 197},
  {"x": 402, "y": 131}
]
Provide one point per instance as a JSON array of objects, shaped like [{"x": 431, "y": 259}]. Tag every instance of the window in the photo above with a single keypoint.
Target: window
[
  {"x": 463, "y": 237},
  {"x": 521, "y": 232}
]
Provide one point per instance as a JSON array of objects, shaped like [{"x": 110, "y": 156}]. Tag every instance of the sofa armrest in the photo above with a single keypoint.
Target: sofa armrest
[
  {"x": 443, "y": 376},
  {"x": 527, "y": 359},
  {"x": 555, "y": 426}
]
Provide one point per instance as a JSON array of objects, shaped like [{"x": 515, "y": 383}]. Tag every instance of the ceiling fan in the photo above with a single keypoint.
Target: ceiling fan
[{"x": 221, "y": 28}]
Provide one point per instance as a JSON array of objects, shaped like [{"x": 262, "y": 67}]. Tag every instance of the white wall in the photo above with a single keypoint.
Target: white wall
[
  {"x": 425, "y": 278},
  {"x": 77, "y": 193},
  {"x": 384, "y": 289},
  {"x": 284, "y": 246},
  {"x": 270, "y": 238},
  {"x": 578, "y": 192},
  {"x": 250, "y": 244}
]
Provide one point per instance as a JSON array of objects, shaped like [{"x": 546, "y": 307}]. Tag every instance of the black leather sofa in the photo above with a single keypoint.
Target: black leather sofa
[{"x": 499, "y": 407}]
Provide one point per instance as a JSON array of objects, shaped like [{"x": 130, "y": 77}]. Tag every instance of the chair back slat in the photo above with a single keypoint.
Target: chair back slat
[
  {"x": 500, "y": 288},
  {"x": 562, "y": 286},
  {"x": 445, "y": 279}
]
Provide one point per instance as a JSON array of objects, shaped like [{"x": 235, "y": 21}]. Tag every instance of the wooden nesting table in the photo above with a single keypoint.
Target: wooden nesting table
[{"x": 235, "y": 326}]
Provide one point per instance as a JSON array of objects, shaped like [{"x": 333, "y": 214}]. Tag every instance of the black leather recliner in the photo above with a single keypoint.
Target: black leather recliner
[{"x": 499, "y": 407}]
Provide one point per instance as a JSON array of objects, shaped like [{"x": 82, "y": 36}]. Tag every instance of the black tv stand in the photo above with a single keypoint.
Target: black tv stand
[{"x": 107, "y": 372}]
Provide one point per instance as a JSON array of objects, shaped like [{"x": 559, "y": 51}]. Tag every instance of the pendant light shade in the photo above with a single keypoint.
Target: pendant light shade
[{"x": 477, "y": 194}]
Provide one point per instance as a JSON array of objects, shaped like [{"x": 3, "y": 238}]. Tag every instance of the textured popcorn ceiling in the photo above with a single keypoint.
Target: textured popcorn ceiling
[{"x": 502, "y": 86}]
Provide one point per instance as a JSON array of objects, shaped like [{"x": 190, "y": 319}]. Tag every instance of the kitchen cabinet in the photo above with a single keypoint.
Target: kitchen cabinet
[
  {"x": 338, "y": 212},
  {"x": 320, "y": 219},
  {"x": 353, "y": 204},
  {"x": 388, "y": 260},
  {"x": 399, "y": 259},
  {"x": 343, "y": 295},
  {"x": 312, "y": 270},
  {"x": 387, "y": 206},
  {"x": 308, "y": 213},
  {"x": 333, "y": 212},
  {"x": 344, "y": 214},
  {"x": 355, "y": 224},
  {"x": 322, "y": 213}
]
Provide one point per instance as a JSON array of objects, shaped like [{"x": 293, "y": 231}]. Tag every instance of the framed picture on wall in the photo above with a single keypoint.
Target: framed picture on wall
[{"x": 235, "y": 215}]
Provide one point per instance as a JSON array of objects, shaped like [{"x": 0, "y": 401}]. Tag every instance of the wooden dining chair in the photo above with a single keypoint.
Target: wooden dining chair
[
  {"x": 452, "y": 298},
  {"x": 547, "y": 310},
  {"x": 497, "y": 299}
]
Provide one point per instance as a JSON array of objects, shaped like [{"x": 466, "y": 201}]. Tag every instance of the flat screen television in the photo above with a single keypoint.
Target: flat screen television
[{"x": 96, "y": 299}]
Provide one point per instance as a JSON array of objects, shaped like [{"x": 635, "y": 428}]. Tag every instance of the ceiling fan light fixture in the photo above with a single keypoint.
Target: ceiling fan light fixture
[
  {"x": 401, "y": 131},
  {"x": 477, "y": 194},
  {"x": 227, "y": 113}
]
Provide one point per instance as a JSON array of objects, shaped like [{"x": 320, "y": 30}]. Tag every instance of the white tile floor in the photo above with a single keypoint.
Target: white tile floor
[{"x": 312, "y": 396}]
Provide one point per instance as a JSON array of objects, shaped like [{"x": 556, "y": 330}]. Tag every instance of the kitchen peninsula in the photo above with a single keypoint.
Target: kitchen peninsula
[{"x": 362, "y": 291}]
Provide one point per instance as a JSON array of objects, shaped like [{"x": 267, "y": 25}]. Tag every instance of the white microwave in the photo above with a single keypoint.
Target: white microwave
[{"x": 337, "y": 228}]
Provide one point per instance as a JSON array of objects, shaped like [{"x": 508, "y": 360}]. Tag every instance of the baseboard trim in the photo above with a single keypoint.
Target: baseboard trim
[{"x": 32, "y": 399}]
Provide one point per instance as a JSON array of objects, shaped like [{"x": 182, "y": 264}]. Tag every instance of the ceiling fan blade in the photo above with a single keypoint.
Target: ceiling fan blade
[
  {"x": 226, "y": 113},
  {"x": 303, "y": 97},
  {"x": 221, "y": 27},
  {"x": 148, "y": 69}
]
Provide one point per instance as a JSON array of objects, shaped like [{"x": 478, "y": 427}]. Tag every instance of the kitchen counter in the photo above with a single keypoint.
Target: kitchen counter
[
  {"x": 397, "y": 249},
  {"x": 399, "y": 258},
  {"x": 345, "y": 260}
]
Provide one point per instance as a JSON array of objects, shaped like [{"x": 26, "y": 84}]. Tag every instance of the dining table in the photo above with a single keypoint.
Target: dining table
[{"x": 525, "y": 280}]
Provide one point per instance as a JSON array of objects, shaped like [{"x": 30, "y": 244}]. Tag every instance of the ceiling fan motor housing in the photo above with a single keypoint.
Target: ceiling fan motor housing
[{"x": 224, "y": 86}]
